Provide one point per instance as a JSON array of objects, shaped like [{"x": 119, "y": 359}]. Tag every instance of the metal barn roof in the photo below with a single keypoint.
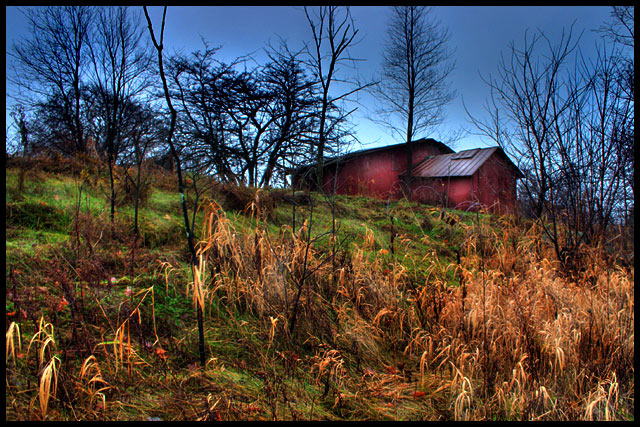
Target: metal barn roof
[{"x": 463, "y": 163}]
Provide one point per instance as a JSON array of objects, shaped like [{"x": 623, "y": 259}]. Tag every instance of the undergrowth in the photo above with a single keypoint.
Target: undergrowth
[{"x": 406, "y": 312}]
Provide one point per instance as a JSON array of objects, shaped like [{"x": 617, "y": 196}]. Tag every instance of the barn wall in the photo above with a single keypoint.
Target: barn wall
[
  {"x": 493, "y": 186},
  {"x": 456, "y": 192},
  {"x": 375, "y": 173},
  {"x": 496, "y": 185},
  {"x": 367, "y": 174}
]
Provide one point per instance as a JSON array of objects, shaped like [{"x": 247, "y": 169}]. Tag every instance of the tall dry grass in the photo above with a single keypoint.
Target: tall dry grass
[
  {"x": 517, "y": 338},
  {"x": 12, "y": 335},
  {"x": 48, "y": 364},
  {"x": 533, "y": 343}
]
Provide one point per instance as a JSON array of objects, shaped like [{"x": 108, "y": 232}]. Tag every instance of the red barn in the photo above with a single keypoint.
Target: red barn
[{"x": 470, "y": 179}]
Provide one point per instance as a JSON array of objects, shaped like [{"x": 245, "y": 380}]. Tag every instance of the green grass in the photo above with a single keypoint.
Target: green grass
[{"x": 24, "y": 241}]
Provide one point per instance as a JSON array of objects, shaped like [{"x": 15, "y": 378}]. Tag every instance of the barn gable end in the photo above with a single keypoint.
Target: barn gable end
[{"x": 469, "y": 179}]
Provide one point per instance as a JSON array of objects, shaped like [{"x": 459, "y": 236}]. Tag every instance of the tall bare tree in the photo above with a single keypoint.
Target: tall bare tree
[
  {"x": 158, "y": 43},
  {"x": 243, "y": 126},
  {"x": 333, "y": 30},
  {"x": 120, "y": 63},
  {"x": 621, "y": 30},
  {"x": 527, "y": 105},
  {"x": 608, "y": 118},
  {"x": 201, "y": 86},
  {"x": 415, "y": 66},
  {"x": 531, "y": 105},
  {"x": 293, "y": 108},
  {"x": 52, "y": 62},
  {"x": 144, "y": 129}
]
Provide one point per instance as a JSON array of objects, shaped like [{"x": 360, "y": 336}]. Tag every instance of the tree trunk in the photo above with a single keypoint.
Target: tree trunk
[{"x": 174, "y": 154}]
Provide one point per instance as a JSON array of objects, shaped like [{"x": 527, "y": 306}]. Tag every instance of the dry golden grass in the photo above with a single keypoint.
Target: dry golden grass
[
  {"x": 48, "y": 362},
  {"x": 531, "y": 340},
  {"x": 521, "y": 339},
  {"x": 43, "y": 340},
  {"x": 49, "y": 376},
  {"x": 91, "y": 382},
  {"x": 517, "y": 339},
  {"x": 13, "y": 334},
  {"x": 122, "y": 347}
]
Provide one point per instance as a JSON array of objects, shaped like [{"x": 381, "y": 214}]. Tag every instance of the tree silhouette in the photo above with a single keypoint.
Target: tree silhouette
[{"x": 415, "y": 68}]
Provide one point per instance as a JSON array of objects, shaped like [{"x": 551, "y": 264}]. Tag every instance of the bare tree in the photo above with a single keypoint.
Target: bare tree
[
  {"x": 250, "y": 121},
  {"x": 53, "y": 62},
  {"x": 159, "y": 46},
  {"x": 607, "y": 131},
  {"x": 120, "y": 62},
  {"x": 201, "y": 86},
  {"x": 528, "y": 99},
  {"x": 621, "y": 30},
  {"x": 52, "y": 127},
  {"x": 562, "y": 117},
  {"x": 416, "y": 65},
  {"x": 530, "y": 107},
  {"x": 20, "y": 121},
  {"x": 20, "y": 117},
  {"x": 243, "y": 126},
  {"x": 143, "y": 129},
  {"x": 333, "y": 31},
  {"x": 293, "y": 109}
]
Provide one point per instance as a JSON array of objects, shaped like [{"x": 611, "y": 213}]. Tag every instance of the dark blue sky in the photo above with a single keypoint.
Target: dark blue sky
[{"x": 478, "y": 36}]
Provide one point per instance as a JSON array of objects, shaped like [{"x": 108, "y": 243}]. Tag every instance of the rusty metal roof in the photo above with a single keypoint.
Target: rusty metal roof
[{"x": 463, "y": 163}]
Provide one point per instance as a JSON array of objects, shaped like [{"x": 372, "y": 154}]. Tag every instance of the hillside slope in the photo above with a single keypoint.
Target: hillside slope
[{"x": 405, "y": 312}]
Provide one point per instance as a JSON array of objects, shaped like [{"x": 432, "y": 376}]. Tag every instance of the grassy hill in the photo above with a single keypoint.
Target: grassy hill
[{"x": 405, "y": 312}]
